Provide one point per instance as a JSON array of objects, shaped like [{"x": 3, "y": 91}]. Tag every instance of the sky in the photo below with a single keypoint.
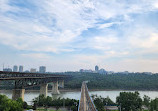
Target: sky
[{"x": 68, "y": 35}]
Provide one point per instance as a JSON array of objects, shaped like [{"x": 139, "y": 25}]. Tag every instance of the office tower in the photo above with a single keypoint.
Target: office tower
[
  {"x": 20, "y": 68},
  {"x": 27, "y": 71},
  {"x": 7, "y": 69},
  {"x": 32, "y": 70},
  {"x": 96, "y": 68},
  {"x": 42, "y": 69},
  {"x": 102, "y": 71},
  {"x": 15, "y": 68}
]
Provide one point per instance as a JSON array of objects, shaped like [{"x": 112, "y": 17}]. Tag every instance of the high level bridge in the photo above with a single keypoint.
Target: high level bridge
[
  {"x": 86, "y": 103},
  {"x": 24, "y": 80}
]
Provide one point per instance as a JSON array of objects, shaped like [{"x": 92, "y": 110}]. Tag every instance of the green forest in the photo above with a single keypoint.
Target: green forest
[
  {"x": 131, "y": 81},
  {"x": 117, "y": 81}
]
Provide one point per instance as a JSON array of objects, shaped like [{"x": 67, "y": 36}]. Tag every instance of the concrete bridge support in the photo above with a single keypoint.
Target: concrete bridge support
[
  {"x": 44, "y": 89},
  {"x": 18, "y": 93},
  {"x": 55, "y": 88},
  {"x": 62, "y": 83}
]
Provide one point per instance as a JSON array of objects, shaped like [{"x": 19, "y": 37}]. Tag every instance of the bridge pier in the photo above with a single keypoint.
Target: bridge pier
[
  {"x": 55, "y": 88},
  {"x": 18, "y": 93},
  {"x": 62, "y": 83},
  {"x": 44, "y": 89}
]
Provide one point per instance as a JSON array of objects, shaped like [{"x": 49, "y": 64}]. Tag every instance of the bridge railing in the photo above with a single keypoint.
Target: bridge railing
[
  {"x": 90, "y": 101},
  {"x": 81, "y": 100}
]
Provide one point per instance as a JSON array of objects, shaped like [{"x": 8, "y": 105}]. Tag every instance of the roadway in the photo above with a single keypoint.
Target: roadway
[{"x": 86, "y": 103}]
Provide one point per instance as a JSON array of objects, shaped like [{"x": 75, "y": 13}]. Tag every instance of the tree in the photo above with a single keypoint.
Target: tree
[
  {"x": 129, "y": 101},
  {"x": 40, "y": 100},
  {"x": 146, "y": 101},
  {"x": 98, "y": 101},
  {"x": 74, "y": 108},
  {"x": 7, "y": 104},
  {"x": 131, "y": 81},
  {"x": 20, "y": 101},
  {"x": 48, "y": 101},
  {"x": 15, "y": 106},
  {"x": 108, "y": 101},
  {"x": 154, "y": 105},
  {"x": 4, "y": 103},
  {"x": 25, "y": 105},
  {"x": 57, "y": 103}
]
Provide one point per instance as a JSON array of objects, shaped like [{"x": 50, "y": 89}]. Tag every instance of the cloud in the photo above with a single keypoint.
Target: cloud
[
  {"x": 155, "y": 4},
  {"x": 106, "y": 25},
  {"x": 149, "y": 42},
  {"x": 89, "y": 29},
  {"x": 139, "y": 65},
  {"x": 49, "y": 21},
  {"x": 39, "y": 56},
  {"x": 61, "y": 27}
]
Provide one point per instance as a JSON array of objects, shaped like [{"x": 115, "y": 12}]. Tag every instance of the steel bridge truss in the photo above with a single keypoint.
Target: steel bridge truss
[{"x": 25, "y": 80}]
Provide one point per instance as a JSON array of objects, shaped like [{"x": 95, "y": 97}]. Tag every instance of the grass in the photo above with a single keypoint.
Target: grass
[{"x": 40, "y": 109}]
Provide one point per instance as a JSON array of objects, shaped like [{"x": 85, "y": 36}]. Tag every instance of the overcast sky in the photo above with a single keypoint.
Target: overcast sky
[{"x": 64, "y": 35}]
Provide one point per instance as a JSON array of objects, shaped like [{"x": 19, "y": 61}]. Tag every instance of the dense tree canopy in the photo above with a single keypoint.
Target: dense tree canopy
[
  {"x": 100, "y": 102},
  {"x": 7, "y": 104},
  {"x": 154, "y": 105},
  {"x": 131, "y": 81},
  {"x": 129, "y": 101},
  {"x": 114, "y": 81},
  {"x": 146, "y": 101},
  {"x": 57, "y": 102}
]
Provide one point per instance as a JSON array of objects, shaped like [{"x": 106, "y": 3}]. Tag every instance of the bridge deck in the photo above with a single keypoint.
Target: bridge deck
[
  {"x": 24, "y": 80},
  {"x": 4, "y": 75},
  {"x": 86, "y": 103}
]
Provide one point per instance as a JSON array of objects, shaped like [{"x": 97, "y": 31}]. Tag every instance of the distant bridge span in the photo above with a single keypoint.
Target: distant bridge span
[
  {"x": 24, "y": 80},
  {"x": 5, "y": 75}
]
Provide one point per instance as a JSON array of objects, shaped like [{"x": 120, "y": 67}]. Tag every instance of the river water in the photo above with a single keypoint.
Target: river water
[{"x": 29, "y": 95}]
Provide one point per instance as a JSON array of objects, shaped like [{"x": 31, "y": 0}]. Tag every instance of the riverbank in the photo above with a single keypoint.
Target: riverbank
[
  {"x": 76, "y": 94},
  {"x": 78, "y": 90}
]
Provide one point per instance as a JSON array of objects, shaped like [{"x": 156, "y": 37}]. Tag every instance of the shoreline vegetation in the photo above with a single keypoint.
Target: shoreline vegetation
[
  {"x": 102, "y": 82},
  {"x": 79, "y": 90},
  {"x": 126, "y": 101},
  {"x": 76, "y": 90},
  {"x": 117, "y": 81}
]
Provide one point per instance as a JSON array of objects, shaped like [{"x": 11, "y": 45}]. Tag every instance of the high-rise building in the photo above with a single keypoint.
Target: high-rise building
[
  {"x": 32, "y": 70},
  {"x": 15, "y": 68},
  {"x": 96, "y": 68},
  {"x": 7, "y": 69},
  {"x": 81, "y": 70},
  {"x": 20, "y": 68},
  {"x": 102, "y": 71},
  {"x": 27, "y": 71},
  {"x": 42, "y": 69}
]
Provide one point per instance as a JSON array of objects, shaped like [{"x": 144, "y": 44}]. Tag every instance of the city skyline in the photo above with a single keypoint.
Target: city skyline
[
  {"x": 116, "y": 35},
  {"x": 21, "y": 68}
]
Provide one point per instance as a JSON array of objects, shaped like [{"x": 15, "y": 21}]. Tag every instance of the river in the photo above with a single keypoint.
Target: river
[{"x": 29, "y": 95}]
